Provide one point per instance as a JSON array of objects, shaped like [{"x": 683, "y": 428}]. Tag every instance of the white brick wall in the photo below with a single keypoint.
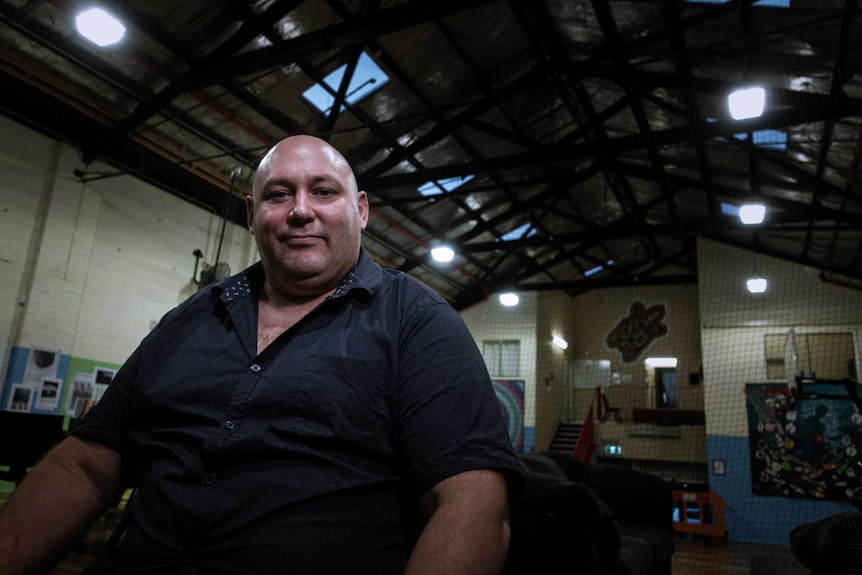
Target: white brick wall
[{"x": 114, "y": 254}]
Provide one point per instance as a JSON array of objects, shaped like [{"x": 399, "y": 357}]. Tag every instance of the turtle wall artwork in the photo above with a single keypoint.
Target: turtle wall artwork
[{"x": 635, "y": 332}]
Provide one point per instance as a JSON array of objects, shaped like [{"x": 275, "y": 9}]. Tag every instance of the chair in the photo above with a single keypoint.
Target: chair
[
  {"x": 608, "y": 410},
  {"x": 26, "y": 438}
]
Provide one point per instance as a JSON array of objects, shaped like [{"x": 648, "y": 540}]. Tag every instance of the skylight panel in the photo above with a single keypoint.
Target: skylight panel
[
  {"x": 729, "y": 210},
  {"x": 769, "y": 3},
  {"x": 772, "y": 139},
  {"x": 597, "y": 269},
  {"x": 437, "y": 187},
  {"x": 769, "y": 139},
  {"x": 367, "y": 78},
  {"x": 519, "y": 233}
]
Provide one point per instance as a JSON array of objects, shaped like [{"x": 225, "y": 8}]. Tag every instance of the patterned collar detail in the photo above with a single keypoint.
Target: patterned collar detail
[
  {"x": 344, "y": 287},
  {"x": 240, "y": 287},
  {"x": 366, "y": 276}
]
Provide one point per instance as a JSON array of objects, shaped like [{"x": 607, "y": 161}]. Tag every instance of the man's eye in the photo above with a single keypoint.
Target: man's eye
[{"x": 323, "y": 192}]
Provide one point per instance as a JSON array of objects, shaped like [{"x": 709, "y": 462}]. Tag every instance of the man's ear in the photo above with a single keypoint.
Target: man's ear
[
  {"x": 249, "y": 212},
  {"x": 362, "y": 201}
]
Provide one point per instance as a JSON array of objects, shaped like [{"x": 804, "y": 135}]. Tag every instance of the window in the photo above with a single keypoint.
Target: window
[
  {"x": 821, "y": 355},
  {"x": 775, "y": 355},
  {"x": 435, "y": 188},
  {"x": 367, "y": 77},
  {"x": 503, "y": 357}
]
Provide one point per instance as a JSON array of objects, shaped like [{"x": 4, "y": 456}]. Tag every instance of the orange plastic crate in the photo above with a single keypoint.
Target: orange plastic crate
[{"x": 699, "y": 513}]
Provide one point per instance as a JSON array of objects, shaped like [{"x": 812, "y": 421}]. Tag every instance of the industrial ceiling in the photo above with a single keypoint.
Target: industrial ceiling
[{"x": 552, "y": 144}]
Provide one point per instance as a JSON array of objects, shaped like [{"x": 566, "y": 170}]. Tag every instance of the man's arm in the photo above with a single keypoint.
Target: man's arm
[
  {"x": 55, "y": 505},
  {"x": 468, "y": 526}
]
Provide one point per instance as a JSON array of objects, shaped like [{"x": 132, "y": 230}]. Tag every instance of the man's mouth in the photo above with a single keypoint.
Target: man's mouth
[{"x": 300, "y": 240}]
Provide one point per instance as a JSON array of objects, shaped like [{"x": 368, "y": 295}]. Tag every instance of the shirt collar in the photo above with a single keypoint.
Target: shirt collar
[{"x": 365, "y": 278}]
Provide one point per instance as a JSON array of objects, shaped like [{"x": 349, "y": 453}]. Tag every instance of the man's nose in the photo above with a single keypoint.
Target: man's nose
[{"x": 302, "y": 211}]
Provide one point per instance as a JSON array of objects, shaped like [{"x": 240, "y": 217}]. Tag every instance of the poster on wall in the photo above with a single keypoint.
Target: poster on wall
[
  {"x": 510, "y": 395},
  {"x": 102, "y": 378},
  {"x": 79, "y": 395},
  {"x": 19, "y": 398},
  {"x": 801, "y": 447},
  {"x": 48, "y": 393},
  {"x": 86, "y": 389},
  {"x": 42, "y": 362}
]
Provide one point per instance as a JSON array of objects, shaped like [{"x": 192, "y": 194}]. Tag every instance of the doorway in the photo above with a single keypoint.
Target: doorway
[{"x": 665, "y": 387}]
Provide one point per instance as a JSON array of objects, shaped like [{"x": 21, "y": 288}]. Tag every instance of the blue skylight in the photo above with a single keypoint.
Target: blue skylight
[
  {"x": 519, "y": 233},
  {"x": 367, "y": 78},
  {"x": 769, "y": 139},
  {"x": 729, "y": 210},
  {"x": 772, "y": 139},
  {"x": 770, "y": 3},
  {"x": 435, "y": 188},
  {"x": 597, "y": 269}
]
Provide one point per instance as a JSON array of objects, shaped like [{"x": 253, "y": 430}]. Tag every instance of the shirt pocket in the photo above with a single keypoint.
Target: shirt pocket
[{"x": 332, "y": 398}]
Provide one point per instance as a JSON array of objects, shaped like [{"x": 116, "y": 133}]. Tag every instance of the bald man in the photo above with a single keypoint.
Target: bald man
[{"x": 313, "y": 414}]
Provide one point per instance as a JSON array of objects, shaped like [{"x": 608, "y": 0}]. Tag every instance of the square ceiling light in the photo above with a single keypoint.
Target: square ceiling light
[
  {"x": 367, "y": 78},
  {"x": 99, "y": 27},
  {"x": 747, "y": 103}
]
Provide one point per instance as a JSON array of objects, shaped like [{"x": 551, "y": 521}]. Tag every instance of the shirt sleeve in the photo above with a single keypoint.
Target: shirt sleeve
[
  {"x": 449, "y": 419},
  {"x": 105, "y": 422}
]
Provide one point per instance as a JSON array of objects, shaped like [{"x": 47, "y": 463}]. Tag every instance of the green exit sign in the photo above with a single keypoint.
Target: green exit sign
[{"x": 613, "y": 450}]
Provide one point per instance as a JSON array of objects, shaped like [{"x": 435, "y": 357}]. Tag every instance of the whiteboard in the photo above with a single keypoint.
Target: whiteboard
[{"x": 591, "y": 373}]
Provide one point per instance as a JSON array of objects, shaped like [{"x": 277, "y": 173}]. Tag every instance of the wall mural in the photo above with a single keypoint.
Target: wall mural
[
  {"x": 634, "y": 333},
  {"x": 510, "y": 394},
  {"x": 803, "y": 447}
]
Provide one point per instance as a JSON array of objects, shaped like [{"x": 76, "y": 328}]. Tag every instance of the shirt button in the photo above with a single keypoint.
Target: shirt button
[
  {"x": 255, "y": 367},
  {"x": 210, "y": 478},
  {"x": 229, "y": 424}
]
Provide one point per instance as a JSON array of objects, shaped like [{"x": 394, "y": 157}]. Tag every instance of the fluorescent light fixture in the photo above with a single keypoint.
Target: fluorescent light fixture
[
  {"x": 560, "y": 342},
  {"x": 442, "y": 254},
  {"x": 746, "y": 103},
  {"x": 367, "y": 78},
  {"x": 751, "y": 214},
  {"x": 509, "y": 299},
  {"x": 660, "y": 362},
  {"x": 99, "y": 27},
  {"x": 756, "y": 285}
]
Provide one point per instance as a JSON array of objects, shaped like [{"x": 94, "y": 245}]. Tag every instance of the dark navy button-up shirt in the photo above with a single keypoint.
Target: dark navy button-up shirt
[{"x": 308, "y": 457}]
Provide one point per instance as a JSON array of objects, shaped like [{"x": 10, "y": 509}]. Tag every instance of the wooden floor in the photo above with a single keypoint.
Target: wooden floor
[
  {"x": 719, "y": 557},
  {"x": 692, "y": 557}
]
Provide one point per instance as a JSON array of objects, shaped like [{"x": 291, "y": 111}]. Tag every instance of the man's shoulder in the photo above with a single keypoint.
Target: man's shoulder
[{"x": 407, "y": 286}]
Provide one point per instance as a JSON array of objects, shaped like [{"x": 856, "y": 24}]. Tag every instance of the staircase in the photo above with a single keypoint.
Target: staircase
[{"x": 566, "y": 438}]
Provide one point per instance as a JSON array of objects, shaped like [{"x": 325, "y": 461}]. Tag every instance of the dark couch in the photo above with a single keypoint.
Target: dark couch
[{"x": 577, "y": 517}]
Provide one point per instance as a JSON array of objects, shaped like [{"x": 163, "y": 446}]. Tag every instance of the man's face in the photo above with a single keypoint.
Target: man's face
[{"x": 306, "y": 216}]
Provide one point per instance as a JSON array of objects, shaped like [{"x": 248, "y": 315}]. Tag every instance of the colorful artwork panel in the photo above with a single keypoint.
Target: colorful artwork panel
[
  {"x": 802, "y": 447},
  {"x": 510, "y": 394}
]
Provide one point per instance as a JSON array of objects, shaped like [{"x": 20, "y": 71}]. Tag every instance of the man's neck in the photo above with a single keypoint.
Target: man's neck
[{"x": 277, "y": 312}]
